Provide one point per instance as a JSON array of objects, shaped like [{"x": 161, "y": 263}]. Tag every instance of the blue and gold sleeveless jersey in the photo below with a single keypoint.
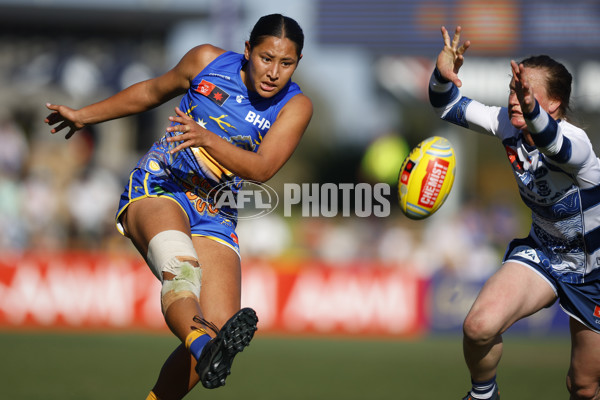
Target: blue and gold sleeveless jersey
[{"x": 219, "y": 101}]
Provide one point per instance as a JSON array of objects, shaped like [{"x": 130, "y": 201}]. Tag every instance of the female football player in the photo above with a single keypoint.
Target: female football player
[
  {"x": 558, "y": 175},
  {"x": 240, "y": 118}
]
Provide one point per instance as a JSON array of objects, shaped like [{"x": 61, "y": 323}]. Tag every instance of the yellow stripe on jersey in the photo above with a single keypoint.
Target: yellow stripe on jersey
[{"x": 207, "y": 162}]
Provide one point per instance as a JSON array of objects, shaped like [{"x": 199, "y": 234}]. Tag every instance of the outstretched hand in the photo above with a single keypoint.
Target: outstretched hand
[
  {"x": 451, "y": 57},
  {"x": 65, "y": 117},
  {"x": 522, "y": 87}
]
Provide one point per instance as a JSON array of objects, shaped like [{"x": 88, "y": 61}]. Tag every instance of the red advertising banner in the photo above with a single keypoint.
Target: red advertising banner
[{"x": 97, "y": 291}]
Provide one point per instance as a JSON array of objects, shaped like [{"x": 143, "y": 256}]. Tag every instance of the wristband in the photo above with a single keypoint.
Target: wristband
[{"x": 438, "y": 76}]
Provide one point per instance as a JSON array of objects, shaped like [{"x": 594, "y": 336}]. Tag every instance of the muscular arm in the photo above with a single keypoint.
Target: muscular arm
[{"x": 137, "y": 98}]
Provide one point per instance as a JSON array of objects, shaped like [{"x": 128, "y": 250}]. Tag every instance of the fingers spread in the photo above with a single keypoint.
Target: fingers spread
[{"x": 456, "y": 38}]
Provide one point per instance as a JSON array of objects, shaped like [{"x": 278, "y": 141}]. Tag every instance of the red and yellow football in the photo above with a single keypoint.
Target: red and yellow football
[{"x": 426, "y": 177}]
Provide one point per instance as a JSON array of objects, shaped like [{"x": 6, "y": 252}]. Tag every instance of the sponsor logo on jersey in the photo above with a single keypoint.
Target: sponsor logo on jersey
[
  {"x": 213, "y": 92},
  {"x": 597, "y": 312},
  {"x": 513, "y": 157},
  {"x": 526, "y": 253},
  {"x": 226, "y": 77},
  {"x": 258, "y": 121}
]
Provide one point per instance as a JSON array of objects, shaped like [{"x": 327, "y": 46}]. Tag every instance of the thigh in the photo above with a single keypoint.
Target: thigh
[
  {"x": 513, "y": 292},
  {"x": 147, "y": 217},
  {"x": 220, "y": 293},
  {"x": 584, "y": 371}
]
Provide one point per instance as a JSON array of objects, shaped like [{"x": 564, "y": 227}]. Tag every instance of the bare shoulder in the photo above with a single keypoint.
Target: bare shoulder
[
  {"x": 300, "y": 103},
  {"x": 204, "y": 54},
  {"x": 199, "y": 57}
]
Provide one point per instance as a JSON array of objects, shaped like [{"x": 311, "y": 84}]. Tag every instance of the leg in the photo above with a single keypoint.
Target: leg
[
  {"x": 221, "y": 280},
  {"x": 143, "y": 220},
  {"x": 220, "y": 298},
  {"x": 584, "y": 373},
  {"x": 512, "y": 293}
]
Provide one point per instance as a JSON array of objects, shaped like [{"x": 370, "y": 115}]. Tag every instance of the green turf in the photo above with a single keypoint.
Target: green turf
[{"x": 110, "y": 366}]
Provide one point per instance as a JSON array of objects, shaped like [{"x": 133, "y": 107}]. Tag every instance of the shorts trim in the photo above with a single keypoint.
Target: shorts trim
[
  {"x": 219, "y": 240},
  {"x": 575, "y": 317},
  {"x": 534, "y": 269},
  {"x": 120, "y": 227}
]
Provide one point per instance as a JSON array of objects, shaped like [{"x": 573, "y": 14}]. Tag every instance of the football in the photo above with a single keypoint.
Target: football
[{"x": 426, "y": 177}]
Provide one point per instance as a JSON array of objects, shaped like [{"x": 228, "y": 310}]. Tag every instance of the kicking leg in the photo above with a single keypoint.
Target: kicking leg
[
  {"x": 220, "y": 300},
  {"x": 160, "y": 231},
  {"x": 233, "y": 328}
]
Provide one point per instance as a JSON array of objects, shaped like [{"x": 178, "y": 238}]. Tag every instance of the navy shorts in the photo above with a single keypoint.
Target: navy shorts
[
  {"x": 579, "y": 298},
  {"x": 204, "y": 220}
]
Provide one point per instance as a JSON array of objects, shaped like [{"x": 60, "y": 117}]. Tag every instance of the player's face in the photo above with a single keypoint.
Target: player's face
[
  {"x": 271, "y": 65},
  {"x": 537, "y": 79}
]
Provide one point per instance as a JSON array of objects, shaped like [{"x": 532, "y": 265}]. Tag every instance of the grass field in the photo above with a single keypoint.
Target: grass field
[{"x": 110, "y": 366}]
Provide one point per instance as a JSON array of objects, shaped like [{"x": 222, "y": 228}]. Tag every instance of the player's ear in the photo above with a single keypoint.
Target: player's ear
[
  {"x": 247, "y": 50},
  {"x": 553, "y": 106}
]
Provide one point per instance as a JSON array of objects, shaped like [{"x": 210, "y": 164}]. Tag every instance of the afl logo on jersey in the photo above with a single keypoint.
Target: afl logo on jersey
[{"x": 213, "y": 92}]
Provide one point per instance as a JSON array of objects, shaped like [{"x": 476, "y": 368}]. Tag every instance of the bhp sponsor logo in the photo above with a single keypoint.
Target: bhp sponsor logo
[{"x": 255, "y": 200}]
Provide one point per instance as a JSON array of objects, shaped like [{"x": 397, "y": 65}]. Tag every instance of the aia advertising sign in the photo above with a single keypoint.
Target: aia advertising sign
[{"x": 93, "y": 291}]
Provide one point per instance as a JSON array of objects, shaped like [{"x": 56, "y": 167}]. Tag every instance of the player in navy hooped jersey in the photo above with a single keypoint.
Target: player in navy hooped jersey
[
  {"x": 240, "y": 118},
  {"x": 558, "y": 176}
]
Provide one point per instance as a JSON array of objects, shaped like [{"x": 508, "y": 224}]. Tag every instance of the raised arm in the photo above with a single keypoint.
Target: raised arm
[
  {"x": 137, "y": 98},
  {"x": 451, "y": 57}
]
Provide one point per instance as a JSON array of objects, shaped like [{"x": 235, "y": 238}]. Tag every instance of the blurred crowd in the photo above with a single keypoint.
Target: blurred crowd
[
  {"x": 468, "y": 243},
  {"x": 52, "y": 194}
]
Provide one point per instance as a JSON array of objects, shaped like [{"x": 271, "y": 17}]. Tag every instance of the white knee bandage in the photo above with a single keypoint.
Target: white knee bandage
[
  {"x": 166, "y": 249},
  {"x": 171, "y": 251}
]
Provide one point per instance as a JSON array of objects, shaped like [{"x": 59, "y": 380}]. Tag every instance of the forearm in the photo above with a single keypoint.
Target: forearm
[
  {"x": 546, "y": 135},
  {"x": 132, "y": 100},
  {"x": 243, "y": 163},
  {"x": 446, "y": 100}
]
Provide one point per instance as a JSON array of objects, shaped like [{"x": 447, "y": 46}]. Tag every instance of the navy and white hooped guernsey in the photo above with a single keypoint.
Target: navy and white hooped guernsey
[{"x": 558, "y": 179}]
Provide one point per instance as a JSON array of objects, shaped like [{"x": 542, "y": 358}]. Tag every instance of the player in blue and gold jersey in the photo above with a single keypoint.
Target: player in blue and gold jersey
[{"x": 240, "y": 118}]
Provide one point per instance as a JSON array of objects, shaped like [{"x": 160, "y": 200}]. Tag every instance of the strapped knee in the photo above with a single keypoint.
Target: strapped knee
[{"x": 173, "y": 252}]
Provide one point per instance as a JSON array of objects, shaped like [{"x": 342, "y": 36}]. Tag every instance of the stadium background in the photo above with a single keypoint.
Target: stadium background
[{"x": 366, "y": 65}]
